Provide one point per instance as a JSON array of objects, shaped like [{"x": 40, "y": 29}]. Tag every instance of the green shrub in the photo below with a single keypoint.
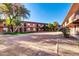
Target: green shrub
[{"x": 66, "y": 32}]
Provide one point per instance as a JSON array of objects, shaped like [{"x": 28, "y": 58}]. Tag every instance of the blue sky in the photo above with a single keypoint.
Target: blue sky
[{"x": 48, "y": 12}]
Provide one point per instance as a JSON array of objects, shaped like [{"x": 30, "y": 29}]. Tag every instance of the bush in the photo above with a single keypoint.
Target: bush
[
  {"x": 16, "y": 33},
  {"x": 66, "y": 32}
]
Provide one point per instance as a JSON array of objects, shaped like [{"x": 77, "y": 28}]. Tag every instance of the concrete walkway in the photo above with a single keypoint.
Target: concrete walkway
[{"x": 38, "y": 44}]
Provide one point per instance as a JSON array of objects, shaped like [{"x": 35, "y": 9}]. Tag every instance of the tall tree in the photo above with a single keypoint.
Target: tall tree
[
  {"x": 55, "y": 24},
  {"x": 50, "y": 26},
  {"x": 15, "y": 12}
]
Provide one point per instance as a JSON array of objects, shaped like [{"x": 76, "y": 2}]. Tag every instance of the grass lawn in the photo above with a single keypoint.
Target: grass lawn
[{"x": 16, "y": 33}]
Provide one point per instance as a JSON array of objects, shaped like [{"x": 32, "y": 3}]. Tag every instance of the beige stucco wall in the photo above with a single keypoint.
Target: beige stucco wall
[{"x": 74, "y": 32}]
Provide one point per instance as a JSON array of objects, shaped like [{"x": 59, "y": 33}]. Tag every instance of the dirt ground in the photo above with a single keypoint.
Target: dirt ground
[{"x": 38, "y": 44}]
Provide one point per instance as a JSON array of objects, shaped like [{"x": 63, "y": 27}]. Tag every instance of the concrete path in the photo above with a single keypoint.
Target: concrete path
[{"x": 38, "y": 44}]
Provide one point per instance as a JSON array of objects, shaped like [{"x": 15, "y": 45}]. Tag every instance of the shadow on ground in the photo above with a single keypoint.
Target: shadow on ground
[{"x": 40, "y": 45}]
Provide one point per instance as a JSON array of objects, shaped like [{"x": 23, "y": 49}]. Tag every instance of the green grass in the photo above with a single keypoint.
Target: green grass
[{"x": 16, "y": 33}]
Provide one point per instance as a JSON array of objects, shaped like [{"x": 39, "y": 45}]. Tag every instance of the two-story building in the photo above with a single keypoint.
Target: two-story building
[
  {"x": 33, "y": 26},
  {"x": 72, "y": 20},
  {"x": 26, "y": 26}
]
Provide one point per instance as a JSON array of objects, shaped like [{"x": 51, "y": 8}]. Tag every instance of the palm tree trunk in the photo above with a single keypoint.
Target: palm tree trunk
[{"x": 16, "y": 29}]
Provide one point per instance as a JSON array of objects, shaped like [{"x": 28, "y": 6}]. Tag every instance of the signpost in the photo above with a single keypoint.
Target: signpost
[{"x": 57, "y": 47}]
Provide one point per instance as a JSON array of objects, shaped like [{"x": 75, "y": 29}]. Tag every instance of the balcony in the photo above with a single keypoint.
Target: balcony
[
  {"x": 31, "y": 25},
  {"x": 77, "y": 17}
]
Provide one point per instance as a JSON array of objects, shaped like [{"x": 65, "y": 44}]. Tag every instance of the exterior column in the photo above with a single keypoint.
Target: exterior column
[
  {"x": 73, "y": 30},
  {"x": 18, "y": 29},
  {"x": 22, "y": 26},
  {"x": 13, "y": 28},
  {"x": 23, "y": 29}
]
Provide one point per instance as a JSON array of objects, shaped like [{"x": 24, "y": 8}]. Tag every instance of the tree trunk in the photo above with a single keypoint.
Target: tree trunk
[{"x": 16, "y": 28}]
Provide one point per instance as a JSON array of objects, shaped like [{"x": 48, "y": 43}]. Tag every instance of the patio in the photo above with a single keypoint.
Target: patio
[{"x": 38, "y": 44}]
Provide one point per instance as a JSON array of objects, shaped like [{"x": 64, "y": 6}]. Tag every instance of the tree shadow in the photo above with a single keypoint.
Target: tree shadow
[
  {"x": 22, "y": 51},
  {"x": 69, "y": 52},
  {"x": 51, "y": 39}
]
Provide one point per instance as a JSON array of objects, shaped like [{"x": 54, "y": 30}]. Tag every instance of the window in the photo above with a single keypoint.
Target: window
[
  {"x": 39, "y": 24},
  {"x": 33, "y": 24},
  {"x": 28, "y": 24},
  {"x": 24, "y": 24},
  {"x": 34, "y": 29},
  {"x": 28, "y": 29}
]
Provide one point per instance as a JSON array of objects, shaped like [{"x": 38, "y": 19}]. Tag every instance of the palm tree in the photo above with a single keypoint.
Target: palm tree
[
  {"x": 55, "y": 24},
  {"x": 50, "y": 26},
  {"x": 6, "y": 9},
  {"x": 21, "y": 13},
  {"x": 14, "y": 12}
]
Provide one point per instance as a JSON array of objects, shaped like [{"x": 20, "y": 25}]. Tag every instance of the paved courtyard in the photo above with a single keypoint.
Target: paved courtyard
[{"x": 38, "y": 44}]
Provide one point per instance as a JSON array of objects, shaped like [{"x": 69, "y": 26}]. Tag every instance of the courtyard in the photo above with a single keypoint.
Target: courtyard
[{"x": 38, "y": 44}]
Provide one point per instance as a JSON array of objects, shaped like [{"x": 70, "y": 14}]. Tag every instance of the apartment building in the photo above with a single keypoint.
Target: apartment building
[
  {"x": 26, "y": 26},
  {"x": 1, "y": 26},
  {"x": 72, "y": 20},
  {"x": 32, "y": 26}
]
